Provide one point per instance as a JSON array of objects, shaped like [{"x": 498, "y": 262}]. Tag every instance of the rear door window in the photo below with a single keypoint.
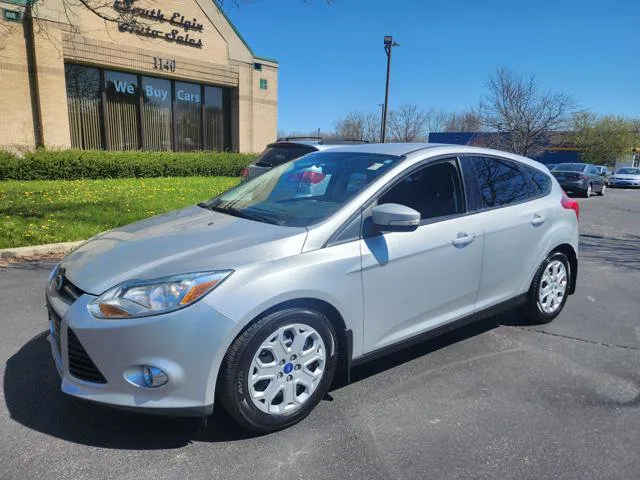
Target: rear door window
[
  {"x": 500, "y": 181},
  {"x": 276, "y": 155}
]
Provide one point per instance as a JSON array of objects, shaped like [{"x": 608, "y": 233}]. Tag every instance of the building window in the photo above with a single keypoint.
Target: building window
[
  {"x": 11, "y": 15},
  {"x": 188, "y": 111},
  {"x": 138, "y": 112},
  {"x": 122, "y": 93},
  {"x": 257, "y": 66},
  {"x": 217, "y": 134},
  {"x": 157, "y": 115},
  {"x": 84, "y": 102},
  {"x": 263, "y": 83}
]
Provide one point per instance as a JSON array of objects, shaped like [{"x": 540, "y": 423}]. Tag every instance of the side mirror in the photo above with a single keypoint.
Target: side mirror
[{"x": 393, "y": 217}]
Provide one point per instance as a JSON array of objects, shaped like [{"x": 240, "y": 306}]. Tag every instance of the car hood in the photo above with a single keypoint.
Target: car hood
[{"x": 190, "y": 240}]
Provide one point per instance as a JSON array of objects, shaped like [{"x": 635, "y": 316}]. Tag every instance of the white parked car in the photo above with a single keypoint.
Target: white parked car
[
  {"x": 625, "y": 177},
  {"x": 258, "y": 298}
]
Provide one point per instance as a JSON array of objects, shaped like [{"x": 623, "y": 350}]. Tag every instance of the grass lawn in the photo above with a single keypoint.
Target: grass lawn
[{"x": 37, "y": 212}]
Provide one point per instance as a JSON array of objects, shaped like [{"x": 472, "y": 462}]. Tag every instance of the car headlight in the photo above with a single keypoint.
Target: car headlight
[{"x": 140, "y": 298}]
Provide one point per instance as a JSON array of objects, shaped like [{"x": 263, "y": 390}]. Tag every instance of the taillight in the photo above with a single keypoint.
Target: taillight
[
  {"x": 584, "y": 177},
  {"x": 245, "y": 173},
  {"x": 570, "y": 204},
  {"x": 313, "y": 177}
]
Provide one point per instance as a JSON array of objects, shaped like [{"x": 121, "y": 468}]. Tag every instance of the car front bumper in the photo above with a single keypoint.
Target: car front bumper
[
  {"x": 189, "y": 345},
  {"x": 624, "y": 183}
]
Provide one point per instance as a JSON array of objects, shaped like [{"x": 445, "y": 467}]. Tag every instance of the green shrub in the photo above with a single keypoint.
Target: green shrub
[{"x": 96, "y": 164}]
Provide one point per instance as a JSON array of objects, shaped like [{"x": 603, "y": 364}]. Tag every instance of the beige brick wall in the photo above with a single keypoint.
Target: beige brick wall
[
  {"x": 16, "y": 124},
  {"x": 77, "y": 35}
]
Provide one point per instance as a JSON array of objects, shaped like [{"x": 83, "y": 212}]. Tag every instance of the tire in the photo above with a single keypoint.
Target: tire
[
  {"x": 601, "y": 192},
  {"x": 535, "y": 310},
  {"x": 587, "y": 193},
  {"x": 251, "y": 400}
]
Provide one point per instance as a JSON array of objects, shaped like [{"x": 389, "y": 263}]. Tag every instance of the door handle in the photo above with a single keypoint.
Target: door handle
[
  {"x": 537, "y": 220},
  {"x": 463, "y": 239}
]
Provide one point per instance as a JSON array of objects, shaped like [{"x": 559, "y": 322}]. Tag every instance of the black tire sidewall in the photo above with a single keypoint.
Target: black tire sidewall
[
  {"x": 252, "y": 417},
  {"x": 534, "y": 308}
]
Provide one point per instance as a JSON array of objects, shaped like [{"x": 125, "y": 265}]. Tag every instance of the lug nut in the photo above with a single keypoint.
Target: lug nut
[
  {"x": 297, "y": 367},
  {"x": 289, "y": 378},
  {"x": 282, "y": 362},
  {"x": 279, "y": 375},
  {"x": 293, "y": 357}
]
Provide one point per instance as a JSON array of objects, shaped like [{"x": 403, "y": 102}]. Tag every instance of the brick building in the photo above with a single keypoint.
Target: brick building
[{"x": 168, "y": 75}]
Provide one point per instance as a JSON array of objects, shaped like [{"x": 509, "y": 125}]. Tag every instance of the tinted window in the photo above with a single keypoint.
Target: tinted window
[
  {"x": 84, "y": 103},
  {"x": 629, "y": 171},
  {"x": 434, "y": 191},
  {"x": 279, "y": 154},
  {"x": 122, "y": 110},
  {"x": 539, "y": 183},
  {"x": 188, "y": 100},
  {"x": 304, "y": 191},
  {"x": 592, "y": 171},
  {"x": 156, "y": 113},
  {"x": 500, "y": 181},
  {"x": 571, "y": 167}
]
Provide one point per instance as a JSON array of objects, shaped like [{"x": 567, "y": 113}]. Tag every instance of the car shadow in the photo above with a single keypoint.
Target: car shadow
[
  {"x": 33, "y": 398},
  {"x": 616, "y": 252}
]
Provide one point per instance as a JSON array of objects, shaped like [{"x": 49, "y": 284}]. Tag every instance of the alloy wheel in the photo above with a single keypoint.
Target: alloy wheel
[
  {"x": 286, "y": 369},
  {"x": 553, "y": 287}
]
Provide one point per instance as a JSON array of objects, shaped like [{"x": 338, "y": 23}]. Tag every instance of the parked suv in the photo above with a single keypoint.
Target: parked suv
[
  {"x": 286, "y": 149},
  {"x": 258, "y": 298}
]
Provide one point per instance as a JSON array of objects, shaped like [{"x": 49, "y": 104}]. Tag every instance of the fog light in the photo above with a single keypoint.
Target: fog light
[{"x": 154, "y": 376}]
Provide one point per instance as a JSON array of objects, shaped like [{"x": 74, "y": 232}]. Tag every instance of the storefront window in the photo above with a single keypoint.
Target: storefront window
[
  {"x": 216, "y": 131},
  {"x": 188, "y": 104},
  {"x": 85, "y": 106},
  {"x": 122, "y": 112},
  {"x": 156, "y": 113}
]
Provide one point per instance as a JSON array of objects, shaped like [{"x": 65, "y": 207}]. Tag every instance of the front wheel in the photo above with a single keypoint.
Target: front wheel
[
  {"x": 549, "y": 289},
  {"x": 601, "y": 192},
  {"x": 588, "y": 191},
  {"x": 278, "y": 369}
]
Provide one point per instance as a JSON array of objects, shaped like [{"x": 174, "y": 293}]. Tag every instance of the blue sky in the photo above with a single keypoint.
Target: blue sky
[{"x": 332, "y": 59}]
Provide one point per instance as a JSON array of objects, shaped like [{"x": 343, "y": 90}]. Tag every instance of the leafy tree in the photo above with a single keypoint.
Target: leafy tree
[{"x": 604, "y": 139}]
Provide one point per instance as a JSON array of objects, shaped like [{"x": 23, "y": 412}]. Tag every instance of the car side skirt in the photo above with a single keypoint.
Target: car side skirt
[{"x": 436, "y": 332}]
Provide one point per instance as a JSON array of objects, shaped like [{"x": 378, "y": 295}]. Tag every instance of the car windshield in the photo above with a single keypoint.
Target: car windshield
[
  {"x": 570, "y": 167},
  {"x": 304, "y": 191},
  {"x": 629, "y": 171}
]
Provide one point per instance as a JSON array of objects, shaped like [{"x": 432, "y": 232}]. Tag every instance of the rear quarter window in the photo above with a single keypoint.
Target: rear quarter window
[
  {"x": 278, "y": 154},
  {"x": 539, "y": 183}
]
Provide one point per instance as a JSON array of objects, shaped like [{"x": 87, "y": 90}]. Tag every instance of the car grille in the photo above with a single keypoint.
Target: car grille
[
  {"x": 54, "y": 327},
  {"x": 80, "y": 364},
  {"x": 69, "y": 293}
]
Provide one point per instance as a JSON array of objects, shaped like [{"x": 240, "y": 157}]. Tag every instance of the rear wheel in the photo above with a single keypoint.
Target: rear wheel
[
  {"x": 549, "y": 289},
  {"x": 278, "y": 369},
  {"x": 588, "y": 191}
]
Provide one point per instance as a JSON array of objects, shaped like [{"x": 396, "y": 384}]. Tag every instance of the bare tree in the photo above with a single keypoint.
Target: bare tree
[
  {"x": 524, "y": 116},
  {"x": 359, "y": 126},
  {"x": 407, "y": 124},
  {"x": 463, "y": 122},
  {"x": 435, "y": 120}
]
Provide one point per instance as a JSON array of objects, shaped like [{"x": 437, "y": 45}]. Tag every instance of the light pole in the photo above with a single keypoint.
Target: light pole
[
  {"x": 381, "y": 105},
  {"x": 388, "y": 46}
]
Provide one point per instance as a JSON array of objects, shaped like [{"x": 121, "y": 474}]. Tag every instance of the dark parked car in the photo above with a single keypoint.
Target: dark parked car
[
  {"x": 580, "y": 178},
  {"x": 286, "y": 149}
]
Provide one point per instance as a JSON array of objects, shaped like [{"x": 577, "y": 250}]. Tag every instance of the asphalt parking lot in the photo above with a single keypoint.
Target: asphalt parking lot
[{"x": 499, "y": 399}]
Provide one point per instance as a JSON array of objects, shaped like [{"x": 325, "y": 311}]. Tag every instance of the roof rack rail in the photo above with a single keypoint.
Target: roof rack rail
[
  {"x": 334, "y": 141},
  {"x": 302, "y": 137}
]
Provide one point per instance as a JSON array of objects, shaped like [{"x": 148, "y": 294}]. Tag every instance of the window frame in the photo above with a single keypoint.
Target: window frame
[{"x": 479, "y": 201}]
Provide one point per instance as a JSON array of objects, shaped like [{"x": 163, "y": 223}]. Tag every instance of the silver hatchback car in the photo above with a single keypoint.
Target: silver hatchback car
[{"x": 260, "y": 298}]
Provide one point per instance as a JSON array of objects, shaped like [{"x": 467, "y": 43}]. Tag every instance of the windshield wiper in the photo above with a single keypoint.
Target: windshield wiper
[{"x": 241, "y": 214}]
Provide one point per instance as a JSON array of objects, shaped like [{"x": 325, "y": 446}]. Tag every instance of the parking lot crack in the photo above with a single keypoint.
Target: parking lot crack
[{"x": 577, "y": 339}]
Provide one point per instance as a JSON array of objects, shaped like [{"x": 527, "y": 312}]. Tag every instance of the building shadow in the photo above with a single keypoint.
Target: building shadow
[
  {"x": 617, "y": 252},
  {"x": 33, "y": 398}
]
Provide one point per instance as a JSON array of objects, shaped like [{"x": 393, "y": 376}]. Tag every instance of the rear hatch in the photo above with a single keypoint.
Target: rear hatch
[{"x": 276, "y": 154}]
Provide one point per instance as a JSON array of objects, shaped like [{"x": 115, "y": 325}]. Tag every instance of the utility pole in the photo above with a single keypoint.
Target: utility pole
[{"x": 388, "y": 46}]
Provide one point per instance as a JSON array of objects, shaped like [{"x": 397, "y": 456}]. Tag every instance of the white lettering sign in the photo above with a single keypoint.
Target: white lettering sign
[
  {"x": 124, "y": 87},
  {"x": 156, "y": 92},
  {"x": 188, "y": 97}
]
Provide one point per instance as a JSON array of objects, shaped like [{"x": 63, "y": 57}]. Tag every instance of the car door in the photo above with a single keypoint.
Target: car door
[
  {"x": 513, "y": 220},
  {"x": 415, "y": 281},
  {"x": 596, "y": 180}
]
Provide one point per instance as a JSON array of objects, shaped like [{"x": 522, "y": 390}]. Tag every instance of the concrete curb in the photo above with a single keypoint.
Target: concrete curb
[{"x": 39, "y": 250}]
